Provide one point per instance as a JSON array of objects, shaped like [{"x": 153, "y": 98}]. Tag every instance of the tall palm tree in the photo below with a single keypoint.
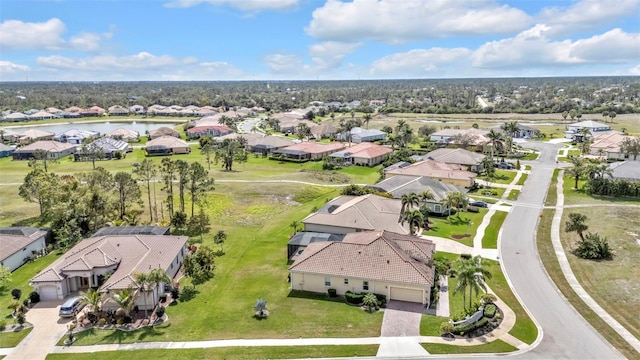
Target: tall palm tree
[
  {"x": 408, "y": 201},
  {"x": 125, "y": 299},
  {"x": 141, "y": 281},
  {"x": 479, "y": 276},
  {"x": 470, "y": 274},
  {"x": 157, "y": 277},
  {"x": 576, "y": 223},
  {"x": 452, "y": 199},
  {"x": 578, "y": 170},
  {"x": 92, "y": 299},
  {"x": 366, "y": 118},
  {"x": 494, "y": 136},
  {"x": 415, "y": 219}
]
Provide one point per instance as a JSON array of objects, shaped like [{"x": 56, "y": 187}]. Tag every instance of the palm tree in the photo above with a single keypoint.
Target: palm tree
[
  {"x": 462, "y": 274},
  {"x": 576, "y": 223},
  {"x": 480, "y": 273},
  {"x": 415, "y": 220},
  {"x": 408, "y": 201},
  {"x": 470, "y": 274},
  {"x": 294, "y": 224},
  {"x": 141, "y": 280},
  {"x": 366, "y": 119},
  {"x": 125, "y": 299},
  {"x": 157, "y": 277},
  {"x": 578, "y": 170},
  {"x": 452, "y": 199},
  {"x": 494, "y": 136},
  {"x": 92, "y": 299}
]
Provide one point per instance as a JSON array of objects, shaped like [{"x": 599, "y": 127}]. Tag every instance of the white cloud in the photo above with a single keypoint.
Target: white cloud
[
  {"x": 586, "y": 14},
  {"x": 48, "y": 35},
  {"x": 532, "y": 48},
  {"x": 419, "y": 62},
  {"x": 634, "y": 70},
  {"x": 243, "y": 5},
  {"x": 7, "y": 67},
  {"x": 284, "y": 64},
  {"x": 397, "y": 21},
  {"x": 142, "y": 61},
  {"x": 330, "y": 54}
]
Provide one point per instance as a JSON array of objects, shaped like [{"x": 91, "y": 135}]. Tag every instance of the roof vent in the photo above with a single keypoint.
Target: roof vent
[{"x": 387, "y": 261}]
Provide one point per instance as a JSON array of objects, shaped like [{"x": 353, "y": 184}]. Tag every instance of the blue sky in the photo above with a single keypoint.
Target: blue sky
[{"x": 101, "y": 40}]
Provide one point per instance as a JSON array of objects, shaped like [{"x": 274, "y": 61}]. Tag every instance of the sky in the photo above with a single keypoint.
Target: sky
[{"x": 199, "y": 40}]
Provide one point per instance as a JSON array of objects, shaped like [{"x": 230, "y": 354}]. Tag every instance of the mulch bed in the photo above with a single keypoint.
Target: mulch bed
[{"x": 458, "y": 237}]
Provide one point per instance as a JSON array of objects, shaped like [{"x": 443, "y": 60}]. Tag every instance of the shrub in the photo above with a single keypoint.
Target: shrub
[
  {"x": 382, "y": 299},
  {"x": 592, "y": 247},
  {"x": 446, "y": 328},
  {"x": 120, "y": 321},
  {"x": 16, "y": 294},
  {"x": 473, "y": 209},
  {"x": 34, "y": 297},
  {"x": 20, "y": 319},
  {"x": 160, "y": 312},
  {"x": 3, "y": 324},
  {"x": 118, "y": 155},
  {"x": 102, "y": 321},
  {"x": 490, "y": 310},
  {"x": 332, "y": 292},
  {"x": 488, "y": 298},
  {"x": 352, "y": 298},
  {"x": 26, "y": 303},
  {"x": 188, "y": 293},
  {"x": 163, "y": 298},
  {"x": 175, "y": 293}
]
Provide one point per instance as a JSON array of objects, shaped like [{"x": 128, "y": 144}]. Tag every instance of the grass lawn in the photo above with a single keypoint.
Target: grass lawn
[
  {"x": 256, "y": 218},
  {"x": 552, "y": 266},
  {"x": 513, "y": 195},
  {"x": 503, "y": 176},
  {"x": 487, "y": 191},
  {"x": 522, "y": 179},
  {"x": 10, "y": 339},
  {"x": 552, "y": 197},
  {"x": 497, "y": 346},
  {"x": 612, "y": 283},
  {"x": 572, "y": 196},
  {"x": 455, "y": 226},
  {"x": 530, "y": 156},
  {"x": 490, "y": 239},
  {"x": 230, "y": 353},
  {"x": 20, "y": 280},
  {"x": 430, "y": 325}
]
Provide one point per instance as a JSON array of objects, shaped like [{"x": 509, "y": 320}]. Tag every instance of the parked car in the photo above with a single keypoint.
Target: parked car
[
  {"x": 481, "y": 204},
  {"x": 503, "y": 165},
  {"x": 71, "y": 307}
]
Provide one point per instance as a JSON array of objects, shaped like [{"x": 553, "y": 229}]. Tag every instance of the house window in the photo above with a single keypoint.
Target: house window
[
  {"x": 365, "y": 285},
  {"x": 346, "y": 281},
  {"x": 327, "y": 281}
]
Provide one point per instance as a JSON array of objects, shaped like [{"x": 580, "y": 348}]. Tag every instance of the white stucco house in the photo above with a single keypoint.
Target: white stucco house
[
  {"x": 18, "y": 244},
  {"x": 108, "y": 263}
]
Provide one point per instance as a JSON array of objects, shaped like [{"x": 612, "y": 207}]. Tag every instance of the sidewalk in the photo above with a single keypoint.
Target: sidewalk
[{"x": 570, "y": 276}]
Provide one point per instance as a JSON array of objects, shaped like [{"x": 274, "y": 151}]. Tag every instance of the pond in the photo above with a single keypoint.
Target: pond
[{"x": 102, "y": 127}]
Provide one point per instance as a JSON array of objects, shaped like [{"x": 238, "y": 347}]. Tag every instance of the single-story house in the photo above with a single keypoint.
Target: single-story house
[
  {"x": 54, "y": 149},
  {"x": 302, "y": 239},
  {"x": 402, "y": 185},
  {"x": 309, "y": 150},
  {"x": 42, "y": 115},
  {"x": 132, "y": 230},
  {"x": 167, "y": 145},
  {"x": 118, "y": 110},
  {"x": 16, "y": 116},
  {"x": 627, "y": 170},
  {"x": 439, "y": 171},
  {"x": 290, "y": 126},
  {"x": 163, "y": 131},
  {"x": 137, "y": 109},
  {"x": 5, "y": 151},
  {"x": 76, "y": 136},
  {"x": 53, "y": 110},
  {"x": 35, "y": 134},
  {"x": 18, "y": 244},
  {"x": 381, "y": 262},
  {"x": 608, "y": 145},
  {"x": 124, "y": 134},
  {"x": 523, "y": 132},
  {"x": 359, "y": 135},
  {"x": 266, "y": 145},
  {"x": 476, "y": 137},
  {"x": 593, "y": 126},
  {"x": 108, "y": 145},
  {"x": 471, "y": 160},
  {"x": 323, "y": 131},
  {"x": 109, "y": 262},
  {"x": 211, "y": 130},
  {"x": 346, "y": 214},
  {"x": 73, "y": 109},
  {"x": 364, "y": 154}
]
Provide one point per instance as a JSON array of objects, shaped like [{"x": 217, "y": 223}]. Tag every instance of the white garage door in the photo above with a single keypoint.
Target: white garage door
[
  {"x": 48, "y": 293},
  {"x": 403, "y": 294}
]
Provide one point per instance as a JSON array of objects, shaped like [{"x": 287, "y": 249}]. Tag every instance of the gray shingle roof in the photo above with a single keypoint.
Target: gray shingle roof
[
  {"x": 629, "y": 170},
  {"x": 13, "y": 239}
]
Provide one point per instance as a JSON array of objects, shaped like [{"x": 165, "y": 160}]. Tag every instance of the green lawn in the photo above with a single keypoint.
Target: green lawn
[
  {"x": 20, "y": 280},
  {"x": 230, "y": 353},
  {"x": 573, "y": 196},
  {"x": 490, "y": 239},
  {"x": 487, "y": 192},
  {"x": 513, "y": 195},
  {"x": 430, "y": 325},
  {"x": 530, "y": 156},
  {"x": 256, "y": 218},
  {"x": 522, "y": 179},
  {"x": 10, "y": 339},
  {"x": 497, "y": 346},
  {"x": 455, "y": 227},
  {"x": 552, "y": 197},
  {"x": 503, "y": 176}
]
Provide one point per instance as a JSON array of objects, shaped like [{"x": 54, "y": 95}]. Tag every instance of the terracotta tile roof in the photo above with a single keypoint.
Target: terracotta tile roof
[
  {"x": 167, "y": 141},
  {"x": 366, "y": 212},
  {"x": 609, "y": 143},
  {"x": 374, "y": 255},
  {"x": 131, "y": 253}
]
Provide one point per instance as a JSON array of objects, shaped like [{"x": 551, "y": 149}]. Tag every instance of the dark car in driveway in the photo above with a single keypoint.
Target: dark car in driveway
[
  {"x": 503, "y": 165},
  {"x": 481, "y": 204}
]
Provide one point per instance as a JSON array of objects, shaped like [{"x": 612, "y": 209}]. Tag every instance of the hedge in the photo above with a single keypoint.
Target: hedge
[{"x": 490, "y": 311}]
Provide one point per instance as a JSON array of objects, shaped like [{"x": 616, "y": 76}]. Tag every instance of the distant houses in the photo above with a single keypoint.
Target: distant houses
[
  {"x": 306, "y": 151},
  {"x": 53, "y": 149},
  {"x": 363, "y": 154},
  {"x": 108, "y": 146},
  {"x": 438, "y": 171},
  {"x": 124, "y": 134},
  {"x": 167, "y": 145},
  {"x": 197, "y": 132},
  {"x": 76, "y": 136}
]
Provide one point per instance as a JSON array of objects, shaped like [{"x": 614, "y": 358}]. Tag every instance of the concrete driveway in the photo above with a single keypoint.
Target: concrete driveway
[{"x": 48, "y": 327}]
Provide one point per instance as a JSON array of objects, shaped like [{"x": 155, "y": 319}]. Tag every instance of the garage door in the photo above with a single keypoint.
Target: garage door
[
  {"x": 403, "y": 294},
  {"x": 48, "y": 293}
]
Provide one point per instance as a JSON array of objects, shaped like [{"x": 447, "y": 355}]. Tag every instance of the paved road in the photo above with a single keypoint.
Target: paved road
[{"x": 566, "y": 333}]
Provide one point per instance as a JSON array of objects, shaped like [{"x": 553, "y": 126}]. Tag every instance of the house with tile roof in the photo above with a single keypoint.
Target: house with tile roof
[
  {"x": 118, "y": 110},
  {"x": 124, "y": 134},
  {"x": 476, "y": 137},
  {"x": 108, "y": 263},
  {"x": 163, "y": 131},
  {"x": 363, "y": 154},
  {"x": 212, "y": 130},
  {"x": 35, "y": 134},
  {"x": 438, "y": 171},
  {"x": 167, "y": 145},
  {"x": 609, "y": 146},
  {"x": 305, "y": 151},
  {"x": 15, "y": 116},
  {"x": 471, "y": 160},
  {"x": 54, "y": 150},
  {"x": 18, "y": 244},
  {"x": 319, "y": 132},
  {"x": 381, "y": 262},
  {"x": 265, "y": 145},
  {"x": 346, "y": 214}
]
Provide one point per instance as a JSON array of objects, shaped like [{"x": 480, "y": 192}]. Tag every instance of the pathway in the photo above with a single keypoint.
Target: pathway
[{"x": 571, "y": 278}]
